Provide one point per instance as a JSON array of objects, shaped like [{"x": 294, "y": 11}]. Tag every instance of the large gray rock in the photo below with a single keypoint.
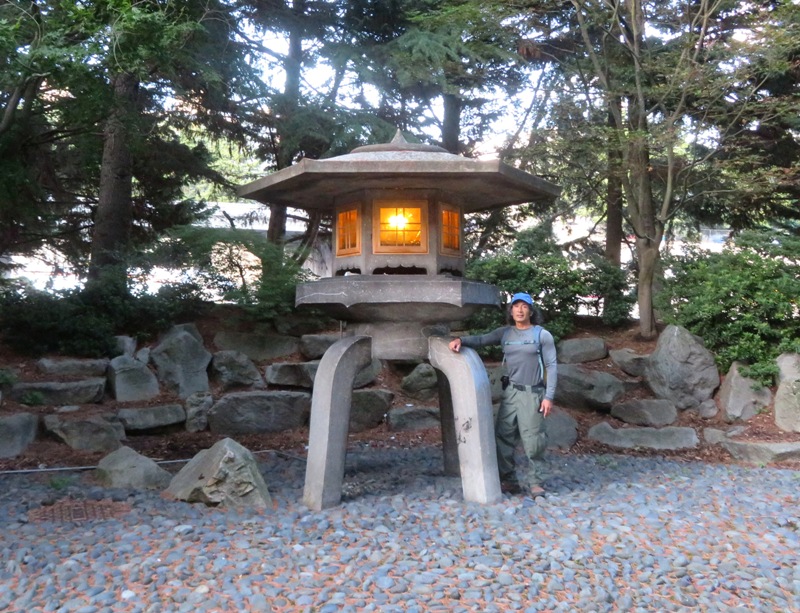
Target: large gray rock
[
  {"x": 761, "y": 453},
  {"x": 421, "y": 383},
  {"x": 646, "y": 412},
  {"x": 85, "y": 391},
  {"x": 577, "y": 350},
  {"x": 149, "y": 418},
  {"x": 131, "y": 380},
  {"x": 17, "y": 432},
  {"x": 257, "y": 345},
  {"x": 738, "y": 399},
  {"x": 787, "y": 396},
  {"x": 314, "y": 346},
  {"x": 234, "y": 369},
  {"x": 302, "y": 374},
  {"x": 671, "y": 437},
  {"x": 225, "y": 475},
  {"x": 368, "y": 409},
  {"x": 197, "y": 406},
  {"x": 583, "y": 388},
  {"x": 258, "y": 412},
  {"x": 182, "y": 361},
  {"x": 73, "y": 367},
  {"x": 561, "y": 429},
  {"x": 629, "y": 362},
  {"x": 400, "y": 419},
  {"x": 93, "y": 434},
  {"x": 681, "y": 369},
  {"x": 292, "y": 374},
  {"x": 368, "y": 374},
  {"x": 125, "y": 468}
]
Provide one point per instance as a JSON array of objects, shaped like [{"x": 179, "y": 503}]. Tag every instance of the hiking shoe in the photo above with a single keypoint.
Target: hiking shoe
[
  {"x": 510, "y": 487},
  {"x": 536, "y": 491}
]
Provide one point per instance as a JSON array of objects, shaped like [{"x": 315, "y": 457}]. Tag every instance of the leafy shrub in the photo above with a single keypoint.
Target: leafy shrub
[
  {"x": 742, "y": 302},
  {"x": 609, "y": 284},
  {"x": 83, "y": 322},
  {"x": 243, "y": 267},
  {"x": 535, "y": 265},
  {"x": 32, "y": 398}
]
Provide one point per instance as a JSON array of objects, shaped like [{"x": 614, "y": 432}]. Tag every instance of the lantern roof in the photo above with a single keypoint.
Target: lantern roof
[{"x": 477, "y": 184}]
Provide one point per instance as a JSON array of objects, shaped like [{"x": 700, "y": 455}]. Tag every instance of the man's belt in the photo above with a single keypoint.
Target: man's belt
[{"x": 527, "y": 388}]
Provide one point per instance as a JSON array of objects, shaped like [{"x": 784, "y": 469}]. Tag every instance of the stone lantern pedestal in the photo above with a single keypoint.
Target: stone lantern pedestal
[{"x": 401, "y": 317}]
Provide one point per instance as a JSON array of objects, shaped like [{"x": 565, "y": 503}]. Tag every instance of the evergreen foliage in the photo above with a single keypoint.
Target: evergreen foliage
[{"x": 743, "y": 302}]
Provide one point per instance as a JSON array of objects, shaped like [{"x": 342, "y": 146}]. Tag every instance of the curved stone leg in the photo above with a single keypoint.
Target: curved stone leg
[
  {"x": 330, "y": 420},
  {"x": 472, "y": 413},
  {"x": 448, "y": 424}
]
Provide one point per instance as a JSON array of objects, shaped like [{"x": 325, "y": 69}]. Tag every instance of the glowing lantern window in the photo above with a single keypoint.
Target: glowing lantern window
[
  {"x": 401, "y": 226},
  {"x": 348, "y": 232},
  {"x": 451, "y": 230}
]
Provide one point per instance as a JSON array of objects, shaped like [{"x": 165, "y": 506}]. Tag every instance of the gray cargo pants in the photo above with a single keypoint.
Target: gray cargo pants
[{"x": 519, "y": 418}]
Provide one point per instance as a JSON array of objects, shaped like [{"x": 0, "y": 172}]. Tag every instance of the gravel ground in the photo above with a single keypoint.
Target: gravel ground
[{"x": 614, "y": 533}]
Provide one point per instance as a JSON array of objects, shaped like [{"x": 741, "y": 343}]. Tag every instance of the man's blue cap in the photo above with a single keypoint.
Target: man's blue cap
[{"x": 526, "y": 298}]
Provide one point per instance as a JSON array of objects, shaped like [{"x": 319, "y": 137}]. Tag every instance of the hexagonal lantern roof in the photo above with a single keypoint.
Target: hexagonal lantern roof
[{"x": 479, "y": 184}]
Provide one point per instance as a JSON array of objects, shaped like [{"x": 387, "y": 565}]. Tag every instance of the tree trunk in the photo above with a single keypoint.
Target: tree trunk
[
  {"x": 113, "y": 219},
  {"x": 292, "y": 65},
  {"x": 647, "y": 254},
  {"x": 613, "y": 252},
  {"x": 451, "y": 123}
]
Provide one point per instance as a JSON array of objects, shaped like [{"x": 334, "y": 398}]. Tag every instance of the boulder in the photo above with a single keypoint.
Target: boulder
[
  {"x": 84, "y": 391},
  {"x": 234, "y": 369},
  {"x": 302, "y": 374},
  {"x": 583, "y": 388},
  {"x": 93, "y": 434},
  {"x": 126, "y": 345},
  {"x": 681, "y": 369},
  {"x": 225, "y": 475},
  {"x": 197, "y": 406},
  {"x": 131, "y": 380},
  {"x": 421, "y": 383},
  {"x": 671, "y": 437},
  {"x": 412, "y": 418},
  {"x": 124, "y": 468},
  {"x": 314, "y": 346},
  {"x": 258, "y": 412},
  {"x": 577, "y": 350},
  {"x": 182, "y": 361},
  {"x": 369, "y": 409},
  {"x": 73, "y": 367},
  {"x": 646, "y": 412},
  {"x": 629, "y": 362},
  {"x": 761, "y": 453},
  {"x": 17, "y": 432},
  {"x": 738, "y": 398},
  {"x": 257, "y": 345},
  {"x": 150, "y": 418},
  {"x": 787, "y": 396},
  {"x": 368, "y": 374},
  {"x": 293, "y": 374}
]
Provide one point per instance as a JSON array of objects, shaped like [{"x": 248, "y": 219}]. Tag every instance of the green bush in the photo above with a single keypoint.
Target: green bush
[
  {"x": 83, "y": 322},
  {"x": 742, "y": 302},
  {"x": 610, "y": 290},
  {"x": 535, "y": 265},
  {"x": 243, "y": 267}
]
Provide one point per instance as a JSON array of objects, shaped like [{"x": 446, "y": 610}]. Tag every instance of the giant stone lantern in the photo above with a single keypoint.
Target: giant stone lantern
[{"x": 398, "y": 211}]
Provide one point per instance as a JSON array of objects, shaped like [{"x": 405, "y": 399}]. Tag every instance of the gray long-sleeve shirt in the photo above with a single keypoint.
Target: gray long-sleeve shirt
[{"x": 521, "y": 354}]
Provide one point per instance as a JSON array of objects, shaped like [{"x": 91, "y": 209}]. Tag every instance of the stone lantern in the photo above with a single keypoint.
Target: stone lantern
[{"x": 398, "y": 211}]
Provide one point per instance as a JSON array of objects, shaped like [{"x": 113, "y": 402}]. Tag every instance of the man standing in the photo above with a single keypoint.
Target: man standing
[{"x": 529, "y": 385}]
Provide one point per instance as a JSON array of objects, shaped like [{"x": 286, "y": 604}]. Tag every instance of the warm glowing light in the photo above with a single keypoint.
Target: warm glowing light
[{"x": 398, "y": 221}]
